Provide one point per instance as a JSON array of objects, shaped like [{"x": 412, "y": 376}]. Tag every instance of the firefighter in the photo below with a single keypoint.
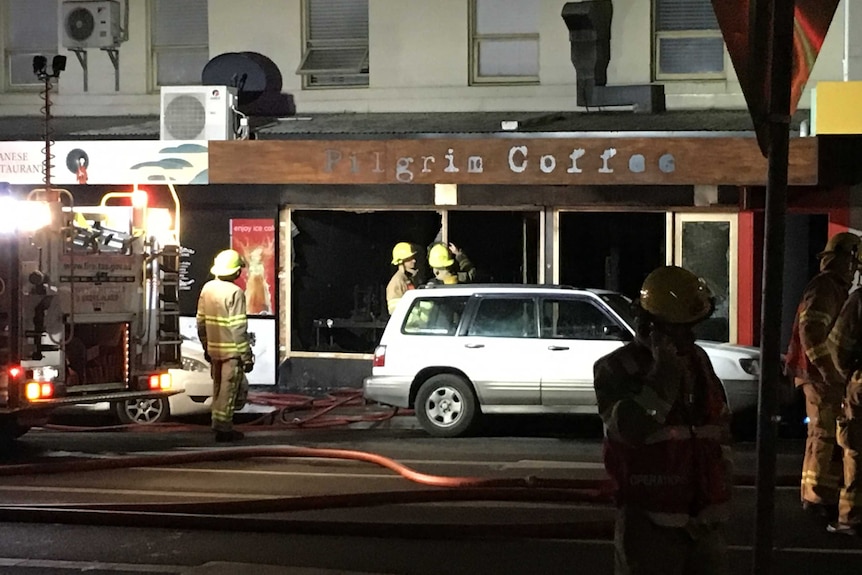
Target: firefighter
[
  {"x": 450, "y": 264},
  {"x": 403, "y": 256},
  {"x": 223, "y": 330},
  {"x": 667, "y": 435},
  {"x": 810, "y": 364},
  {"x": 845, "y": 345}
]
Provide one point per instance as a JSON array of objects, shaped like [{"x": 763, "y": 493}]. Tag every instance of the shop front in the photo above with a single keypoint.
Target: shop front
[{"x": 589, "y": 212}]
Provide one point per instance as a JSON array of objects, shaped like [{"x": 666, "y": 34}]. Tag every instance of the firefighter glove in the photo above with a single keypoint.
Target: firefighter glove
[{"x": 207, "y": 357}]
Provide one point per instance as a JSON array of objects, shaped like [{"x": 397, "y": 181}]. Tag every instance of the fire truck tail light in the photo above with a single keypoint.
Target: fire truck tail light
[
  {"x": 38, "y": 390},
  {"x": 15, "y": 371},
  {"x": 160, "y": 381}
]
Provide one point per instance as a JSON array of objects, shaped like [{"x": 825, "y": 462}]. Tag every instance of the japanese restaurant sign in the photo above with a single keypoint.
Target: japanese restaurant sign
[{"x": 557, "y": 161}]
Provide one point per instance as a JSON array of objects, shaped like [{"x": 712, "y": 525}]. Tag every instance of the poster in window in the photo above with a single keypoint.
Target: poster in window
[{"x": 254, "y": 239}]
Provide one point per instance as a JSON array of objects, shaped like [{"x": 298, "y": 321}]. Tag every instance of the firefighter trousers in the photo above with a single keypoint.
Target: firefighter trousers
[
  {"x": 850, "y": 439},
  {"x": 230, "y": 390},
  {"x": 643, "y": 548},
  {"x": 821, "y": 466}
]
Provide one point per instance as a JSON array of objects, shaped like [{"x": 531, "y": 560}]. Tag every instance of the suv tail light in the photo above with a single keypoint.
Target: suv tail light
[{"x": 380, "y": 356}]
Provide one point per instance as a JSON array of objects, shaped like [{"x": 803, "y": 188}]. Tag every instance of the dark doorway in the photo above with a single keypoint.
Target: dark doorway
[
  {"x": 610, "y": 250},
  {"x": 504, "y": 246}
]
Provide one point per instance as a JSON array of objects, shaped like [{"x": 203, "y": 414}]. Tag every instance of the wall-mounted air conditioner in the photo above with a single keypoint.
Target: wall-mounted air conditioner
[
  {"x": 198, "y": 113},
  {"x": 90, "y": 24}
]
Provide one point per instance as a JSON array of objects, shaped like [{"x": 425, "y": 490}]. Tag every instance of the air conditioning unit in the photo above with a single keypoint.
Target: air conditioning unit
[
  {"x": 198, "y": 113},
  {"x": 91, "y": 24}
]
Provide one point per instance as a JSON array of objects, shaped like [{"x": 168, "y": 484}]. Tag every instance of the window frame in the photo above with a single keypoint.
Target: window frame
[
  {"x": 475, "y": 42},
  {"x": 8, "y": 53},
  {"x": 659, "y": 35},
  {"x": 154, "y": 50},
  {"x": 310, "y": 77}
]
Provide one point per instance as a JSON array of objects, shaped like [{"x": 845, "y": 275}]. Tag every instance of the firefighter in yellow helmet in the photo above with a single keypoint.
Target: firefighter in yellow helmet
[
  {"x": 404, "y": 257},
  {"x": 667, "y": 436},
  {"x": 809, "y": 362},
  {"x": 223, "y": 330},
  {"x": 449, "y": 264}
]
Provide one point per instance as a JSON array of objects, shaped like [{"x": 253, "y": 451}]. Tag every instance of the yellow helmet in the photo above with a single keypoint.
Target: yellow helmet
[
  {"x": 439, "y": 256},
  {"x": 675, "y": 295},
  {"x": 402, "y": 251},
  {"x": 842, "y": 243},
  {"x": 227, "y": 263}
]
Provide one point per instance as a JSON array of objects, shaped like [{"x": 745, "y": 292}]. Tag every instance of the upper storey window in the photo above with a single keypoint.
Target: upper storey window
[
  {"x": 688, "y": 41},
  {"x": 504, "y": 43},
  {"x": 31, "y": 29},
  {"x": 336, "y": 44},
  {"x": 180, "y": 41}
]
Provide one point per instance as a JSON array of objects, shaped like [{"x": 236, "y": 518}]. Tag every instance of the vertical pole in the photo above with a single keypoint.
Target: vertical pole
[{"x": 778, "y": 141}]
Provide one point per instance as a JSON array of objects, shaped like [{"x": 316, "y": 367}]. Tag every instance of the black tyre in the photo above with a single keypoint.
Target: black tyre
[
  {"x": 446, "y": 406},
  {"x": 143, "y": 411}
]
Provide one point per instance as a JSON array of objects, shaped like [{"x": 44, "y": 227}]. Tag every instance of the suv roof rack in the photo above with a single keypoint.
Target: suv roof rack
[{"x": 498, "y": 285}]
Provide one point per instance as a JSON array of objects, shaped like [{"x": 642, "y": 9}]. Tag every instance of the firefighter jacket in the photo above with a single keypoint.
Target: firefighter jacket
[
  {"x": 845, "y": 345},
  {"x": 808, "y": 357},
  {"x": 397, "y": 287},
  {"x": 669, "y": 456},
  {"x": 222, "y": 322}
]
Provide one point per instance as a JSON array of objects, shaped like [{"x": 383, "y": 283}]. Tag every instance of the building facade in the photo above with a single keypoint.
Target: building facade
[{"x": 469, "y": 121}]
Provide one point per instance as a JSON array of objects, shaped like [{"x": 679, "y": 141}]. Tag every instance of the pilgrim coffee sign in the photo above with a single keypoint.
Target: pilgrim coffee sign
[{"x": 588, "y": 161}]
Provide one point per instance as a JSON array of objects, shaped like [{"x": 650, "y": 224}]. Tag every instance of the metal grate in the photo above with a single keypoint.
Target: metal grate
[{"x": 185, "y": 117}]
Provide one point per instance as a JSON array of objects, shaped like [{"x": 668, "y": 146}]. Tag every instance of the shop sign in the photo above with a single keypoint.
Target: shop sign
[
  {"x": 591, "y": 161},
  {"x": 104, "y": 162}
]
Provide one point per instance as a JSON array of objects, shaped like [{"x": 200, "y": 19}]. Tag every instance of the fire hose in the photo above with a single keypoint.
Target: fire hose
[
  {"x": 596, "y": 492},
  {"x": 286, "y": 406},
  {"x": 198, "y": 515}
]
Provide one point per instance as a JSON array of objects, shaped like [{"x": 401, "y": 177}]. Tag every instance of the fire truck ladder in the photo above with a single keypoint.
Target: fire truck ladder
[{"x": 169, "y": 341}]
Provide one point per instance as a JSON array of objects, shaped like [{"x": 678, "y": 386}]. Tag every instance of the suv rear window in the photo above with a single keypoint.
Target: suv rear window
[{"x": 434, "y": 316}]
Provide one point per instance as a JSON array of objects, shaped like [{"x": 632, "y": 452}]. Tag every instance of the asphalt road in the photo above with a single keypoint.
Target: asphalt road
[{"x": 242, "y": 520}]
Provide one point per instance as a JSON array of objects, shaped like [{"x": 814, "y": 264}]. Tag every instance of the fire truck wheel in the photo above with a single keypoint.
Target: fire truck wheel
[{"x": 143, "y": 411}]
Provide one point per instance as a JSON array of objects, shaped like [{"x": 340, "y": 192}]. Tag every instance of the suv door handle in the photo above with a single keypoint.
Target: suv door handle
[
  {"x": 558, "y": 347},
  {"x": 474, "y": 345}
]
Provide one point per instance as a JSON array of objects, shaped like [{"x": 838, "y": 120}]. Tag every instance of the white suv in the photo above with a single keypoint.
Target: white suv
[{"x": 455, "y": 352}]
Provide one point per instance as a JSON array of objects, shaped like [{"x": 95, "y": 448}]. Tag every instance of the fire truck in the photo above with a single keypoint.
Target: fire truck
[{"x": 89, "y": 306}]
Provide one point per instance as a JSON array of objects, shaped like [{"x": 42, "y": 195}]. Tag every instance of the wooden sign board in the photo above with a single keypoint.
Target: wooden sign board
[{"x": 547, "y": 161}]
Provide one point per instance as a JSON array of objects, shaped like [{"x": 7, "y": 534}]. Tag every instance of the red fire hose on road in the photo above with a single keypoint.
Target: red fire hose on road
[{"x": 206, "y": 515}]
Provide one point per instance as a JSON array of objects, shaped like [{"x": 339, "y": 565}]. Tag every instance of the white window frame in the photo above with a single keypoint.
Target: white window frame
[
  {"x": 659, "y": 35},
  {"x": 476, "y": 40},
  {"x": 353, "y": 73},
  {"x": 9, "y": 52},
  {"x": 156, "y": 50}
]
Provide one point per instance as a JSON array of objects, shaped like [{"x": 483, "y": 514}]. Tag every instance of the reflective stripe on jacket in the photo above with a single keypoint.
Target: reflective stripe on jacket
[
  {"x": 222, "y": 322},
  {"x": 667, "y": 458},
  {"x": 808, "y": 352}
]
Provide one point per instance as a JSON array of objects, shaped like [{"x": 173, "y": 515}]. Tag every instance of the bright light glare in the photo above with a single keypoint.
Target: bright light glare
[
  {"x": 23, "y": 215},
  {"x": 159, "y": 225},
  {"x": 165, "y": 381},
  {"x": 33, "y": 389},
  {"x": 139, "y": 199}
]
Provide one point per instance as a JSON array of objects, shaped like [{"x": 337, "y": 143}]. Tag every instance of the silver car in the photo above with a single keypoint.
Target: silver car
[{"x": 453, "y": 353}]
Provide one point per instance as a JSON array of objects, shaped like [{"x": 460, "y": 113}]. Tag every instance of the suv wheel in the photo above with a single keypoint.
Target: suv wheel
[
  {"x": 446, "y": 406},
  {"x": 143, "y": 411}
]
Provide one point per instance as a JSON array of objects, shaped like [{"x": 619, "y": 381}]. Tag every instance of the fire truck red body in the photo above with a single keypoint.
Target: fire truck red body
[{"x": 88, "y": 304}]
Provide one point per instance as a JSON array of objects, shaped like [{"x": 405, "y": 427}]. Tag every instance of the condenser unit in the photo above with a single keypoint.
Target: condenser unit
[
  {"x": 91, "y": 24},
  {"x": 198, "y": 113}
]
